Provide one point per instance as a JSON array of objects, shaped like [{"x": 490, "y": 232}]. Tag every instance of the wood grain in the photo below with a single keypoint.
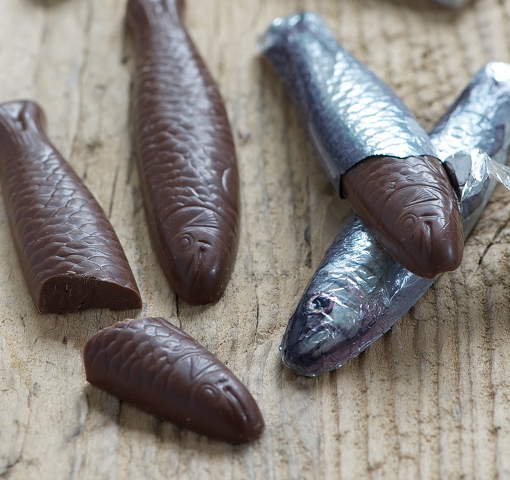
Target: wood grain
[{"x": 431, "y": 399}]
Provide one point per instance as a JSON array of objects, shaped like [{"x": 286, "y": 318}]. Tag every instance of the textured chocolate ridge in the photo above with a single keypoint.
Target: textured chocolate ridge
[
  {"x": 410, "y": 207},
  {"x": 186, "y": 156},
  {"x": 68, "y": 250},
  {"x": 162, "y": 370}
]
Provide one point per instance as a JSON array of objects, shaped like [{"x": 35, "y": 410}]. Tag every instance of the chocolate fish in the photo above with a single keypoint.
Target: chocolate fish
[
  {"x": 186, "y": 156},
  {"x": 359, "y": 291},
  {"x": 69, "y": 253},
  {"x": 374, "y": 152},
  {"x": 162, "y": 370}
]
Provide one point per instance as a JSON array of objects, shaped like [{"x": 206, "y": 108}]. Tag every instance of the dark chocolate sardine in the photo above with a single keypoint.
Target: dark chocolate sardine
[
  {"x": 372, "y": 147},
  {"x": 186, "y": 156},
  {"x": 69, "y": 253},
  {"x": 162, "y": 370}
]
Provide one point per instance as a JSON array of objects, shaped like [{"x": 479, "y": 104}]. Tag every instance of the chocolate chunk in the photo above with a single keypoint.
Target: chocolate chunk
[
  {"x": 164, "y": 371},
  {"x": 186, "y": 156},
  {"x": 410, "y": 207},
  {"x": 69, "y": 253}
]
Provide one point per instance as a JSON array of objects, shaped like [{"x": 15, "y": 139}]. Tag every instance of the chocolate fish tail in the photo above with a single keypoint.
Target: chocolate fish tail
[
  {"x": 359, "y": 291},
  {"x": 364, "y": 136},
  {"x": 161, "y": 369},
  {"x": 186, "y": 155},
  {"x": 69, "y": 253}
]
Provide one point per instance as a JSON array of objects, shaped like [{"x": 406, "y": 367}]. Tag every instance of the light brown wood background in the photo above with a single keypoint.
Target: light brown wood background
[{"x": 429, "y": 400}]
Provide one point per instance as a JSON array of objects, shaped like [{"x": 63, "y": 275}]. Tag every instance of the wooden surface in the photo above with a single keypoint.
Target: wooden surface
[{"x": 429, "y": 400}]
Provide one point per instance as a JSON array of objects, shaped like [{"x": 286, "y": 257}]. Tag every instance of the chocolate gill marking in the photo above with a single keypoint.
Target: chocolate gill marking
[
  {"x": 186, "y": 155},
  {"x": 70, "y": 255}
]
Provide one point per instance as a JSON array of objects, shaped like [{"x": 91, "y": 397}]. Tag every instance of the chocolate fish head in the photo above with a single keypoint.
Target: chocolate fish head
[
  {"x": 222, "y": 406},
  {"x": 200, "y": 248}
]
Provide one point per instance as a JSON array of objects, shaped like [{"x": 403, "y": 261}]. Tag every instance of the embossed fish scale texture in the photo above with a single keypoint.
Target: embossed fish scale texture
[
  {"x": 323, "y": 338},
  {"x": 352, "y": 116},
  {"x": 186, "y": 155},
  {"x": 410, "y": 207},
  {"x": 164, "y": 371},
  {"x": 70, "y": 255}
]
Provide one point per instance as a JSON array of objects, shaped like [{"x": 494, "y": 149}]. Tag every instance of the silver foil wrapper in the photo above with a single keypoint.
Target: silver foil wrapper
[
  {"x": 350, "y": 114},
  {"x": 453, "y": 3},
  {"x": 471, "y": 168},
  {"x": 358, "y": 291}
]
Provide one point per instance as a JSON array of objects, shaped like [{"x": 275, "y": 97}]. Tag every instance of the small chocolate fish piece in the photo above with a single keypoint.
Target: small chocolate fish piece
[
  {"x": 67, "y": 248},
  {"x": 186, "y": 157},
  {"x": 162, "y": 370}
]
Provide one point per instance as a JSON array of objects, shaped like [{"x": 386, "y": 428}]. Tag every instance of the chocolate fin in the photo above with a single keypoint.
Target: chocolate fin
[{"x": 147, "y": 14}]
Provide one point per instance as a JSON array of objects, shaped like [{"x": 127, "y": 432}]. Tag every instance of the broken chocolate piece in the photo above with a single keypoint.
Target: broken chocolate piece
[
  {"x": 408, "y": 202},
  {"x": 162, "y": 370},
  {"x": 186, "y": 156},
  {"x": 68, "y": 250}
]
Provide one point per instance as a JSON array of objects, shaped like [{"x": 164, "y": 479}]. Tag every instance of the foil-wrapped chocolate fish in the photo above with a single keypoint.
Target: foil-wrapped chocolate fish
[
  {"x": 372, "y": 147},
  {"x": 453, "y": 3},
  {"x": 359, "y": 291}
]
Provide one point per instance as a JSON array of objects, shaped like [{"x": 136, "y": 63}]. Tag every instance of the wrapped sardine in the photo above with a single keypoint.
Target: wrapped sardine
[
  {"x": 359, "y": 291},
  {"x": 373, "y": 149}
]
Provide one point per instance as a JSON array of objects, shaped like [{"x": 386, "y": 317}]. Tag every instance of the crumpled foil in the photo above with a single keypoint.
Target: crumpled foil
[{"x": 472, "y": 168}]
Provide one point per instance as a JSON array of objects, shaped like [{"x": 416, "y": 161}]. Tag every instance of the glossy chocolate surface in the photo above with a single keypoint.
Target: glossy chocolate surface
[
  {"x": 68, "y": 250},
  {"x": 186, "y": 156},
  {"x": 162, "y": 370},
  {"x": 410, "y": 207}
]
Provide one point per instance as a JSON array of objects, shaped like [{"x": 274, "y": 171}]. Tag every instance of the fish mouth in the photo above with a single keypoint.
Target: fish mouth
[
  {"x": 325, "y": 347},
  {"x": 304, "y": 349}
]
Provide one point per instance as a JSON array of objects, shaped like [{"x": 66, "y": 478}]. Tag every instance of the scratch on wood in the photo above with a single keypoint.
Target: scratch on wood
[{"x": 490, "y": 244}]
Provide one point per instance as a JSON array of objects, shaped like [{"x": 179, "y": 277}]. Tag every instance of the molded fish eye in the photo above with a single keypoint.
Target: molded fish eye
[{"x": 320, "y": 303}]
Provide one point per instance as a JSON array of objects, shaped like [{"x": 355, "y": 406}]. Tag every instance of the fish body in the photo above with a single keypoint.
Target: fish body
[
  {"x": 70, "y": 255},
  {"x": 359, "y": 291},
  {"x": 186, "y": 155},
  {"x": 373, "y": 149},
  {"x": 161, "y": 369}
]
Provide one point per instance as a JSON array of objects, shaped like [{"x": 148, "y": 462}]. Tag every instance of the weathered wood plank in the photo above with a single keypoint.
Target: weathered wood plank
[{"x": 429, "y": 400}]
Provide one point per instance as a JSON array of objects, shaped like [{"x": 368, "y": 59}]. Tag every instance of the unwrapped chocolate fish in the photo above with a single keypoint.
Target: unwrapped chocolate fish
[
  {"x": 162, "y": 370},
  {"x": 372, "y": 147},
  {"x": 185, "y": 152},
  {"x": 67, "y": 248}
]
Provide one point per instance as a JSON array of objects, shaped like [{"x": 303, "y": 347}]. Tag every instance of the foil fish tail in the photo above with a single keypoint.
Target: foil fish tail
[
  {"x": 359, "y": 291},
  {"x": 368, "y": 140}
]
